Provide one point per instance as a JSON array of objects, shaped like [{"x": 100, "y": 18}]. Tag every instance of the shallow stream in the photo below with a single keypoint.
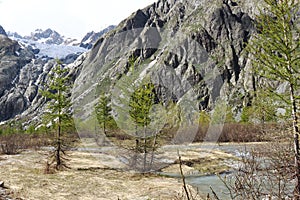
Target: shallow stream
[{"x": 204, "y": 183}]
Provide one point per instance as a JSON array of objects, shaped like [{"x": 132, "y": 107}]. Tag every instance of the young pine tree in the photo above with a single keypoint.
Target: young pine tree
[
  {"x": 276, "y": 52},
  {"x": 59, "y": 111},
  {"x": 140, "y": 104},
  {"x": 103, "y": 113}
]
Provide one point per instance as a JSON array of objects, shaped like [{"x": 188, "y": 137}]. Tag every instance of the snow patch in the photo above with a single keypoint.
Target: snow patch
[
  {"x": 50, "y": 50},
  {"x": 57, "y": 51}
]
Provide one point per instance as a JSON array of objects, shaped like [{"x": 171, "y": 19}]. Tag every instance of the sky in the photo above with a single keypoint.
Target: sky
[{"x": 71, "y": 18}]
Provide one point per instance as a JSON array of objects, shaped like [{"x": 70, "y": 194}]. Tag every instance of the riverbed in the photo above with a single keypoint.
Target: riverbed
[{"x": 102, "y": 173}]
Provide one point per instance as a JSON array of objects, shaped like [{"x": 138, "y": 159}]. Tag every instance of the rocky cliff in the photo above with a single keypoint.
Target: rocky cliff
[
  {"x": 191, "y": 50},
  {"x": 13, "y": 58}
]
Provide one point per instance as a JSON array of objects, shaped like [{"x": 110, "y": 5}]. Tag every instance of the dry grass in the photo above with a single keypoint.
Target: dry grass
[
  {"x": 24, "y": 175},
  {"x": 99, "y": 175}
]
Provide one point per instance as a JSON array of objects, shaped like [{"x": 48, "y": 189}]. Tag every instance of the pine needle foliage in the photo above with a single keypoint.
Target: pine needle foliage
[
  {"x": 58, "y": 113},
  {"x": 276, "y": 52},
  {"x": 276, "y": 49},
  {"x": 103, "y": 112}
]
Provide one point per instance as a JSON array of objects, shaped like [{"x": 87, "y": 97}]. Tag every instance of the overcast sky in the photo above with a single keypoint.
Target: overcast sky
[{"x": 72, "y": 18}]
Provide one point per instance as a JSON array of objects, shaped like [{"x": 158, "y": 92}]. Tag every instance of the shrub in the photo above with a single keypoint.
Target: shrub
[
  {"x": 243, "y": 132},
  {"x": 265, "y": 172},
  {"x": 14, "y": 143}
]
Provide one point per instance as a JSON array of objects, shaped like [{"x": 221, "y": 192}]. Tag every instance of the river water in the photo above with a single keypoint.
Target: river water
[{"x": 205, "y": 183}]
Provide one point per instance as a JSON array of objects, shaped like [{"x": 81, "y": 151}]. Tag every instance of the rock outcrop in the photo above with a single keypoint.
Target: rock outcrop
[
  {"x": 13, "y": 57},
  {"x": 90, "y": 38}
]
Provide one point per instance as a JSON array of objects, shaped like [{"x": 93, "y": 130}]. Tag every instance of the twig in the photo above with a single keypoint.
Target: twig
[
  {"x": 214, "y": 193},
  {"x": 226, "y": 185},
  {"x": 183, "y": 177}
]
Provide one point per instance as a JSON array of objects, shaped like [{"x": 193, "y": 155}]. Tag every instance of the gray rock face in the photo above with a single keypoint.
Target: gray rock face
[
  {"x": 21, "y": 77},
  {"x": 90, "y": 38},
  {"x": 186, "y": 48},
  {"x": 13, "y": 58}
]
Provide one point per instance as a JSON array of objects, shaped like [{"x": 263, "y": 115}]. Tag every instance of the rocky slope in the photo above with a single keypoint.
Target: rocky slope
[
  {"x": 191, "y": 50},
  {"x": 22, "y": 74},
  {"x": 25, "y": 64}
]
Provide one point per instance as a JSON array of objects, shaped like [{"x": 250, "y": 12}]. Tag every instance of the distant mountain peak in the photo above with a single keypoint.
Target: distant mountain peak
[
  {"x": 91, "y": 37},
  {"x": 47, "y": 36},
  {"x": 52, "y": 37}
]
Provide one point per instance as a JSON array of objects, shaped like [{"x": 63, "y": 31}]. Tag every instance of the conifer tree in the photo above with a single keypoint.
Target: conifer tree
[
  {"x": 276, "y": 52},
  {"x": 59, "y": 111},
  {"x": 262, "y": 109},
  {"x": 103, "y": 112},
  {"x": 140, "y": 104}
]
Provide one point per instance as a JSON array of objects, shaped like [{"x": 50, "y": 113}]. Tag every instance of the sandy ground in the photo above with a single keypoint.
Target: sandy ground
[{"x": 100, "y": 176}]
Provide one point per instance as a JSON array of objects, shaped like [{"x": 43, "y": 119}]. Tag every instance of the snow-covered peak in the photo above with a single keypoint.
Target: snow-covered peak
[
  {"x": 48, "y": 36},
  {"x": 49, "y": 44}
]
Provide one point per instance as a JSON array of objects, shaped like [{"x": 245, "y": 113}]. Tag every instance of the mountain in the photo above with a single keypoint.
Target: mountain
[
  {"x": 90, "y": 38},
  {"x": 51, "y": 37},
  {"x": 193, "y": 51},
  {"x": 49, "y": 44},
  {"x": 47, "y": 36},
  {"x": 25, "y": 64}
]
